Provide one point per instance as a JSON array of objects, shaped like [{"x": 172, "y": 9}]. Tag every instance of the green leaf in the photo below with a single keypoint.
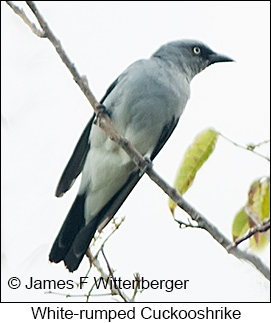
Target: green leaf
[
  {"x": 259, "y": 206},
  {"x": 195, "y": 156},
  {"x": 240, "y": 224},
  {"x": 259, "y": 198},
  {"x": 255, "y": 211}
]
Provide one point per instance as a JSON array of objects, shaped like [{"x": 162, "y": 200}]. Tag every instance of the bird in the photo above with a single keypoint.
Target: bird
[{"x": 144, "y": 103}]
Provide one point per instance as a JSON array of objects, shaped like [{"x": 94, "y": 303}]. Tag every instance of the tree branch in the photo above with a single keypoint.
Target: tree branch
[
  {"x": 250, "y": 147},
  {"x": 114, "y": 291},
  {"x": 263, "y": 227},
  {"x": 21, "y": 13},
  {"x": 93, "y": 260},
  {"x": 106, "y": 124},
  {"x": 137, "y": 279},
  {"x": 112, "y": 275}
]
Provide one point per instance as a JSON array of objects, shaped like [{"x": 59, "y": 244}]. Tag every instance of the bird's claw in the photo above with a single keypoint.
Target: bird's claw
[{"x": 101, "y": 111}]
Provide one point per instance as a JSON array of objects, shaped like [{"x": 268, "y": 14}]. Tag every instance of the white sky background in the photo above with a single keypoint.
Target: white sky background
[{"x": 44, "y": 113}]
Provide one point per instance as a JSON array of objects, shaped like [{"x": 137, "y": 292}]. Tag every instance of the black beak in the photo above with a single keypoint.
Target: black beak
[{"x": 217, "y": 58}]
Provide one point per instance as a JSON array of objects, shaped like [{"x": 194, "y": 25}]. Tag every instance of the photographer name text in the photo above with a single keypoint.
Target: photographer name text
[{"x": 111, "y": 282}]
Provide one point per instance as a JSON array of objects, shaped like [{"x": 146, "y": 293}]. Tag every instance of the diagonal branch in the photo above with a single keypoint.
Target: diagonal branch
[
  {"x": 112, "y": 276},
  {"x": 21, "y": 13},
  {"x": 93, "y": 260},
  {"x": 114, "y": 291},
  {"x": 263, "y": 227},
  {"x": 81, "y": 81},
  {"x": 250, "y": 147},
  {"x": 203, "y": 223},
  {"x": 106, "y": 124}
]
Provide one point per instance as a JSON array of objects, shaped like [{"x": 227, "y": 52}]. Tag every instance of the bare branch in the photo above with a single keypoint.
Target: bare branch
[
  {"x": 137, "y": 279},
  {"x": 117, "y": 225},
  {"x": 106, "y": 124},
  {"x": 114, "y": 291},
  {"x": 93, "y": 260},
  {"x": 112, "y": 275},
  {"x": 184, "y": 225},
  {"x": 253, "y": 146},
  {"x": 71, "y": 295},
  {"x": 249, "y": 147},
  {"x": 80, "y": 80},
  {"x": 21, "y": 13},
  {"x": 263, "y": 227},
  {"x": 90, "y": 292}
]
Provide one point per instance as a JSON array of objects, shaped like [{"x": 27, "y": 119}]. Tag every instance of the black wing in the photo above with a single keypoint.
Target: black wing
[
  {"x": 165, "y": 134},
  {"x": 78, "y": 158},
  {"x": 76, "y": 162},
  {"x": 74, "y": 237},
  {"x": 109, "y": 90}
]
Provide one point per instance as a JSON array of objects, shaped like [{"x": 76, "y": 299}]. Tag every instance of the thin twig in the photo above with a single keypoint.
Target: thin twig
[
  {"x": 95, "y": 262},
  {"x": 263, "y": 227},
  {"x": 63, "y": 294},
  {"x": 106, "y": 124},
  {"x": 71, "y": 295},
  {"x": 21, "y": 13},
  {"x": 111, "y": 274},
  {"x": 109, "y": 236},
  {"x": 81, "y": 81},
  {"x": 249, "y": 147},
  {"x": 253, "y": 146},
  {"x": 184, "y": 225},
  {"x": 90, "y": 291},
  {"x": 137, "y": 279}
]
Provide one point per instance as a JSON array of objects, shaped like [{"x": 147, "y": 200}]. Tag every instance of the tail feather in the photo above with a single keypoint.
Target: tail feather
[
  {"x": 73, "y": 223},
  {"x": 75, "y": 236},
  {"x": 80, "y": 245}
]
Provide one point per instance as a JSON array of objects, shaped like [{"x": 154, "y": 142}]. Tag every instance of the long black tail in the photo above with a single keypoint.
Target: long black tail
[
  {"x": 80, "y": 245},
  {"x": 73, "y": 223},
  {"x": 74, "y": 237}
]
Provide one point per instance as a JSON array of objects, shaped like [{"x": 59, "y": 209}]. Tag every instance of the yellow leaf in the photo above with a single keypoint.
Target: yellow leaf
[
  {"x": 255, "y": 211},
  {"x": 195, "y": 156},
  {"x": 259, "y": 198},
  {"x": 240, "y": 224}
]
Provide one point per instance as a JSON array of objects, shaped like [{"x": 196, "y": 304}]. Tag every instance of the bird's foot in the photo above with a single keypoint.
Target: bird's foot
[{"x": 101, "y": 111}]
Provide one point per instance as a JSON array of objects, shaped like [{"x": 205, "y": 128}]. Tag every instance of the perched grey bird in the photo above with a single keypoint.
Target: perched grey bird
[{"x": 145, "y": 103}]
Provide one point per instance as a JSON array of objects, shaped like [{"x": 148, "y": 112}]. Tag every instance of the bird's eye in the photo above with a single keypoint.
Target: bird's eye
[{"x": 196, "y": 50}]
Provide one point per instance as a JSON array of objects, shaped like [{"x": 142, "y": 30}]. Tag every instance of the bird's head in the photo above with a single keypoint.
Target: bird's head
[{"x": 190, "y": 56}]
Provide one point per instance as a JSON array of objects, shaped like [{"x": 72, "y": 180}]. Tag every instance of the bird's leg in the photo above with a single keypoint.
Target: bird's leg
[
  {"x": 149, "y": 164},
  {"x": 101, "y": 111}
]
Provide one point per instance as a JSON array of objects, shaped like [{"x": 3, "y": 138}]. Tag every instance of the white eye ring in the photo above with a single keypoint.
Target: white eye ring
[{"x": 196, "y": 50}]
